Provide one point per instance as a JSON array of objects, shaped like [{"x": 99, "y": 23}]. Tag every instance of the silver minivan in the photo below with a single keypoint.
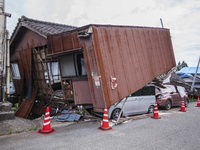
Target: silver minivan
[{"x": 140, "y": 102}]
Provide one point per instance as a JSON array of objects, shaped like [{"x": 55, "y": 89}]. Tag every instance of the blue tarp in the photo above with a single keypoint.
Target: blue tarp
[
  {"x": 186, "y": 76},
  {"x": 70, "y": 117}
]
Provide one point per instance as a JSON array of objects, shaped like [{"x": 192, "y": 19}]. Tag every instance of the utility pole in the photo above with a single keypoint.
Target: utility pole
[
  {"x": 7, "y": 65},
  {"x": 2, "y": 47},
  {"x": 195, "y": 76},
  {"x": 3, "y": 16}
]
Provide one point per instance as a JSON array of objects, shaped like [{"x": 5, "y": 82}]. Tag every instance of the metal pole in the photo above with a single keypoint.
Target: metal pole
[
  {"x": 7, "y": 66},
  {"x": 195, "y": 76},
  {"x": 121, "y": 111},
  {"x": 161, "y": 22},
  {"x": 2, "y": 41}
]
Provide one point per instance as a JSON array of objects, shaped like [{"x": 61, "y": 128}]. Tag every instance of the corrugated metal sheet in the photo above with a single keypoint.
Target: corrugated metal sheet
[
  {"x": 92, "y": 68},
  {"x": 132, "y": 55},
  {"x": 63, "y": 43},
  {"x": 135, "y": 56}
]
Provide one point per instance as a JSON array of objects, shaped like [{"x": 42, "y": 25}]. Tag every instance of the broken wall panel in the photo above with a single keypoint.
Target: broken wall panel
[
  {"x": 119, "y": 53},
  {"x": 82, "y": 93},
  {"x": 93, "y": 74}
]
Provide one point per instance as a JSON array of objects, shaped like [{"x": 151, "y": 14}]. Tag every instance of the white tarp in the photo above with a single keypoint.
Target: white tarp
[{"x": 181, "y": 91}]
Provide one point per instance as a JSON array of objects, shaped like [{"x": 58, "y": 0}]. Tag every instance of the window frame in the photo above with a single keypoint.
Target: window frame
[
  {"x": 75, "y": 65},
  {"x": 15, "y": 72}
]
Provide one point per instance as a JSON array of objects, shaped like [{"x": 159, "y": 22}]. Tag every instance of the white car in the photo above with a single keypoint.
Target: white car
[{"x": 140, "y": 102}]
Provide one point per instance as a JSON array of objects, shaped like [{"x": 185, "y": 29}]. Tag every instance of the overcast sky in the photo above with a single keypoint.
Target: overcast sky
[{"x": 182, "y": 17}]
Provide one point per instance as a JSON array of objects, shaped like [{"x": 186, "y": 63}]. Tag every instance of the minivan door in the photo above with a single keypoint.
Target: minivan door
[
  {"x": 147, "y": 98},
  {"x": 132, "y": 105}
]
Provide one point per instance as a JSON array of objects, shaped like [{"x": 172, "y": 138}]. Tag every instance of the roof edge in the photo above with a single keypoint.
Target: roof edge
[{"x": 105, "y": 25}]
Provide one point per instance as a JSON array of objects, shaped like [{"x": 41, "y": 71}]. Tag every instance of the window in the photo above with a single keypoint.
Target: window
[
  {"x": 81, "y": 70},
  {"x": 137, "y": 93},
  {"x": 67, "y": 66},
  {"x": 152, "y": 90},
  {"x": 15, "y": 71},
  {"x": 54, "y": 71},
  {"x": 72, "y": 65},
  {"x": 145, "y": 91}
]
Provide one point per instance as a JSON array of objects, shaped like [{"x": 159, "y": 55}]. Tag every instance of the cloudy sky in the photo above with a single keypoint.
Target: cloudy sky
[{"x": 182, "y": 17}]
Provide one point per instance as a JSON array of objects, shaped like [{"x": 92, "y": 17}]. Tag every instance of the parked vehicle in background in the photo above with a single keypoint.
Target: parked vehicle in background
[
  {"x": 171, "y": 96},
  {"x": 139, "y": 102}
]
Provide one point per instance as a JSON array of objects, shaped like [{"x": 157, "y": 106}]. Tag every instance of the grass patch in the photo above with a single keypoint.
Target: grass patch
[
  {"x": 193, "y": 100},
  {"x": 16, "y": 106},
  {"x": 10, "y": 132},
  {"x": 19, "y": 131},
  {"x": 32, "y": 129}
]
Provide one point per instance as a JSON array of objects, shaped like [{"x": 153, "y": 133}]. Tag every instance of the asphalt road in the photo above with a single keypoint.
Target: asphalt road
[{"x": 174, "y": 131}]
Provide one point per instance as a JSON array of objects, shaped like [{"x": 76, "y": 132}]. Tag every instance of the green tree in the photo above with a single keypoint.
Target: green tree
[{"x": 181, "y": 65}]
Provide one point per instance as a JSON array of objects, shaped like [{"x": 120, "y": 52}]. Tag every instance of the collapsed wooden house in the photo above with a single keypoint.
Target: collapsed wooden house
[
  {"x": 118, "y": 60},
  {"x": 94, "y": 64},
  {"x": 29, "y": 34}
]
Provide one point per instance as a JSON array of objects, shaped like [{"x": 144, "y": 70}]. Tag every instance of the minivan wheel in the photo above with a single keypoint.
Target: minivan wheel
[
  {"x": 168, "y": 105},
  {"x": 115, "y": 113},
  {"x": 186, "y": 102},
  {"x": 151, "y": 109}
]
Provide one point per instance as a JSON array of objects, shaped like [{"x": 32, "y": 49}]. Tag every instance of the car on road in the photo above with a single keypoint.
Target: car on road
[
  {"x": 171, "y": 96},
  {"x": 139, "y": 102}
]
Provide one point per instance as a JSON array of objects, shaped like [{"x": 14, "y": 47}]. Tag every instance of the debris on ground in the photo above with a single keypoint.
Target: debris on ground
[
  {"x": 130, "y": 118},
  {"x": 66, "y": 116}
]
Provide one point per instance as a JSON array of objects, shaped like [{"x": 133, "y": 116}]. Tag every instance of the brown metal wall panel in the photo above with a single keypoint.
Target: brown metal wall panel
[
  {"x": 99, "y": 42},
  {"x": 76, "y": 41},
  {"x": 57, "y": 44},
  {"x": 67, "y": 42},
  {"x": 82, "y": 93},
  {"x": 92, "y": 71},
  {"x": 63, "y": 42},
  {"x": 136, "y": 58}
]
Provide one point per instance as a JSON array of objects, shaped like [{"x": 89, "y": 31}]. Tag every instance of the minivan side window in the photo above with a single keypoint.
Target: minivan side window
[
  {"x": 137, "y": 93},
  {"x": 152, "y": 90},
  {"x": 145, "y": 91}
]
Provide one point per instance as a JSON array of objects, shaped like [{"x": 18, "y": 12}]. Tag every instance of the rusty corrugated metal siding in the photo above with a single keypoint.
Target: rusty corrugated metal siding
[
  {"x": 133, "y": 55},
  {"x": 92, "y": 71},
  {"x": 63, "y": 43}
]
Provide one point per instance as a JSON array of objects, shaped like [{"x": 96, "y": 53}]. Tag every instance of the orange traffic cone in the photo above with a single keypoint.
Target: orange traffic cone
[
  {"x": 155, "y": 114},
  {"x": 105, "y": 125},
  {"x": 46, "y": 125},
  {"x": 198, "y": 103},
  {"x": 183, "y": 106}
]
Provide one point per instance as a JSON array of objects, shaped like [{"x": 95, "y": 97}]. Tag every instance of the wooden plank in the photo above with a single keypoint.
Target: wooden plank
[{"x": 27, "y": 105}]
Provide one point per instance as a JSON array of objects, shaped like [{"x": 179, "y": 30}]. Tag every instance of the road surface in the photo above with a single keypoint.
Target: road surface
[{"x": 174, "y": 131}]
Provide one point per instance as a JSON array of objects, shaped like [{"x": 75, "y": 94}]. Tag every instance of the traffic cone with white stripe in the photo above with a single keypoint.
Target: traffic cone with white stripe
[
  {"x": 46, "y": 125},
  {"x": 198, "y": 103},
  {"x": 183, "y": 106},
  {"x": 155, "y": 114},
  {"x": 105, "y": 125}
]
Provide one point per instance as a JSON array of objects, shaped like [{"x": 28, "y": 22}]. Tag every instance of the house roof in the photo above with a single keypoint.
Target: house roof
[{"x": 43, "y": 28}]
